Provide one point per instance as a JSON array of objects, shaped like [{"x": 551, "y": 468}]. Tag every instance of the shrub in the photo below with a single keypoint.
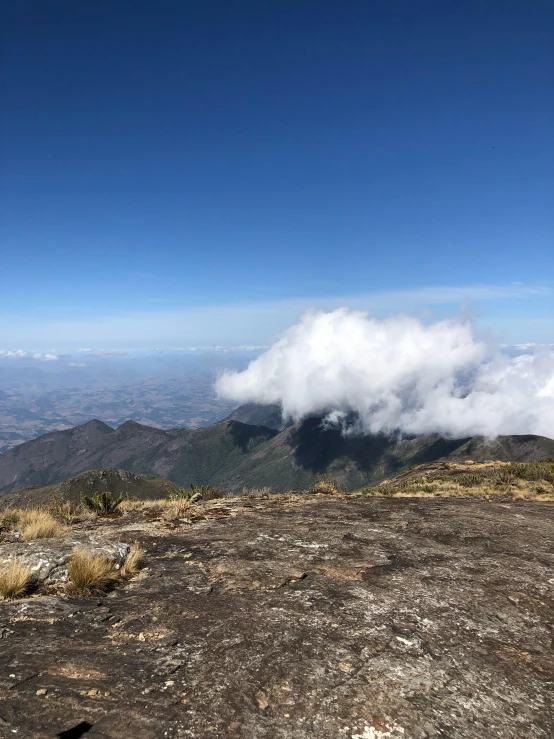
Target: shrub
[
  {"x": 90, "y": 573},
  {"x": 15, "y": 580},
  {"x": 102, "y": 503}
]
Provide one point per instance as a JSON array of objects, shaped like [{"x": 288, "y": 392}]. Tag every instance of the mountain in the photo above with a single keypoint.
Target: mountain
[
  {"x": 182, "y": 455},
  {"x": 119, "y": 482},
  {"x": 233, "y": 454},
  {"x": 260, "y": 415},
  {"x": 293, "y": 458}
]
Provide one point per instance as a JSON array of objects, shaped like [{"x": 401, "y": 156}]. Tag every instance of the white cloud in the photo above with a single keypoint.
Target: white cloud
[
  {"x": 106, "y": 354},
  {"x": 20, "y": 354},
  {"x": 399, "y": 374}
]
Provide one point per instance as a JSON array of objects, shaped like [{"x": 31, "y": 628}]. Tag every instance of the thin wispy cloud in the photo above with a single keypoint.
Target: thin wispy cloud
[
  {"x": 20, "y": 354},
  {"x": 256, "y": 323}
]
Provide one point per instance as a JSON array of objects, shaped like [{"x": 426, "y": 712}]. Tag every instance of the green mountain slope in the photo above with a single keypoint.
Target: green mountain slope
[
  {"x": 233, "y": 455},
  {"x": 182, "y": 455}
]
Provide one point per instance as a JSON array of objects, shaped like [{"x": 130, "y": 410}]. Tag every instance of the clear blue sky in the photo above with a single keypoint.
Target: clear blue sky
[{"x": 177, "y": 172}]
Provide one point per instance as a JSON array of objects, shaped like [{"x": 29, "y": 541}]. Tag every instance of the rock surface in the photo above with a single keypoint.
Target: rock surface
[
  {"x": 301, "y": 618},
  {"x": 47, "y": 558}
]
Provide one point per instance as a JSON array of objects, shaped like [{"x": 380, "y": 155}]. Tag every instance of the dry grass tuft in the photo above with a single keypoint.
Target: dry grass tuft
[
  {"x": 15, "y": 579},
  {"x": 90, "y": 573},
  {"x": 132, "y": 504},
  {"x": 133, "y": 562},
  {"x": 40, "y": 524},
  {"x": 33, "y": 524},
  {"x": 325, "y": 485},
  {"x": 61, "y": 509},
  {"x": 11, "y": 518},
  {"x": 174, "y": 510},
  {"x": 256, "y": 493}
]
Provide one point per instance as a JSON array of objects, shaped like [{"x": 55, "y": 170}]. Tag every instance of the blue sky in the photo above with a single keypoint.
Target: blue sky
[{"x": 182, "y": 173}]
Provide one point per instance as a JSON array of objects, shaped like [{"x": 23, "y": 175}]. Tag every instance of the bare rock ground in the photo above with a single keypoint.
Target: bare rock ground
[{"x": 300, "y": 617}]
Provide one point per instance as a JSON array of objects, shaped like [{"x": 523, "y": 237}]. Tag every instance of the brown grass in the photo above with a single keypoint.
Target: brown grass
[
  {"x": 325, "y": 485},
  {"x": 256, "y": 493},
  {"x": 15, "y": 579},
  {"x": 10, "y": 519},
  {"x": 33, "y": 524},
  {"x": 90, "y": 573},
  {"x": 133, "y": 562},
  {"x": 175, "y": 509},
  {"x": 40, "y": 524},
  {"x": 521, "y": 481}
]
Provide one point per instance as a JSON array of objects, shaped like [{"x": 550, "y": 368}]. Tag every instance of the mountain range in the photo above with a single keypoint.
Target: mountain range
[{"x": 240, "y": 453}]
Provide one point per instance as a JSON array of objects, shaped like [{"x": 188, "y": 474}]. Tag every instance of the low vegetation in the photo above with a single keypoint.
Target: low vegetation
[
  {"x": 31, "y": 524},
  {"x": 325, "y": 485},
  {"x": 102, "y": 503},
  {"x": 175, "y": 510},
  {"x": 133, "y": 562},
  {"x": 90, "y": 573},
  {"x": 525, "y": 480},
  {"x": 261, "y": 493},
  {"x": 203, "y": 492},
  {"x": 15, "y": 580}
]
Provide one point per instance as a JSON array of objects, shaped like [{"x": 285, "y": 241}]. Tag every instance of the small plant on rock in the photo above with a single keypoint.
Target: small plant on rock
[
  {"x": 102, "y": 503},
  {"x": 39, "y": 524},
  {"x": 133, "y": 562},
  {"x": 90, "y": 573},
  {"x": 15, "y": 580}
]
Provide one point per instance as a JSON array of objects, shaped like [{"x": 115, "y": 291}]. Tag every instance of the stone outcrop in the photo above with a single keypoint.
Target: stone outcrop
[
  {"x": 47, "y": 558},
  {"x": 300, "y": 617}
]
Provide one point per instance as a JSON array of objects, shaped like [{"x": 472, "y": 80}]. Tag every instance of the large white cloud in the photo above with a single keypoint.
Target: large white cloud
[{"x": 399, "y": 374}]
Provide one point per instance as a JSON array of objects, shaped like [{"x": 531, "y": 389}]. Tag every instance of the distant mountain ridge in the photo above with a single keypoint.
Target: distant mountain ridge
[{"x": 233, "y": 454}]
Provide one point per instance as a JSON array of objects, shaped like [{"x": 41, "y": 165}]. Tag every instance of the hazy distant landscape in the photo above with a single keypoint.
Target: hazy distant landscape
[{"x": 163, "y": 391}]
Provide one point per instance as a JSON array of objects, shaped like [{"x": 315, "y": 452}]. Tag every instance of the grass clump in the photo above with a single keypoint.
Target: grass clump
[
  {"x": 63, "y": 510},
  {"x": 90, "y": 573},
  {"x": 102, "y": 503},
  {"x": 175, "y": 510},
  {"x": 207, "y": 492},
  {"x": 40, "y": 524},
  {"x": 324, "y": 485},
  {"x": 468, "y": 480},
  {"x": 256, "y": 493},
  {"x": 15, "y": 580},
  {"x": 33, "y": 524},
  {"x": 133, "y": 562},
  {"x": 10, "y": 519}
]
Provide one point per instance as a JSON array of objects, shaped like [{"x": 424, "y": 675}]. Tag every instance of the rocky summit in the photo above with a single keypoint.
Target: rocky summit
[{"x": 297, "y": 617}]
